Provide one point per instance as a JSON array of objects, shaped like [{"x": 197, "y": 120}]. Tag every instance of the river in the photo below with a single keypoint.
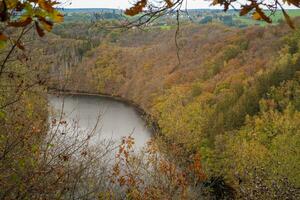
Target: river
[{"x": 109, "y": 118}]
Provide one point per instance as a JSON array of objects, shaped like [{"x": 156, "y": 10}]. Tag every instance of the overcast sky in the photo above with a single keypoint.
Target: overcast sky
[{"x": 122, "y": 4}]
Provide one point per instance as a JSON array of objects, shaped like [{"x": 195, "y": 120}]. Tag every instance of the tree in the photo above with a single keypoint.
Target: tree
[
  {"x": 25, "y": 15},
  {"x": 151, "y": 10}
]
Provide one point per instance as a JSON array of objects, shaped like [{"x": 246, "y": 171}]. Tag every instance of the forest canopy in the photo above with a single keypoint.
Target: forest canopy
[{"x": 225, "y": 119}]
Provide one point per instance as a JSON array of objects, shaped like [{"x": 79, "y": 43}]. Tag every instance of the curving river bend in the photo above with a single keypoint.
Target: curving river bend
[{"x": 109, "y": 118}]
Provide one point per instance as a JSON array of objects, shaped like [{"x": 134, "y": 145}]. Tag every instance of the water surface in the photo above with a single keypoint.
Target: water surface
[{"x": 110, "y": 119}]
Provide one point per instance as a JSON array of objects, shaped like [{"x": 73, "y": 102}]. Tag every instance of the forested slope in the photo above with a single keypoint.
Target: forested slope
[
  {"x": 232, "y": 96},
  {"x": 225, "y": 103}
]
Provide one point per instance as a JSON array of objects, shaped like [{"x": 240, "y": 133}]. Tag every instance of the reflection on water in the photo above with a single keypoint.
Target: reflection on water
[{"x": 111, "y": 119}]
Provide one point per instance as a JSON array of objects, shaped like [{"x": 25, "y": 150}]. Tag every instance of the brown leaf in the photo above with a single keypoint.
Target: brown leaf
[
  {"x": 223, "y": 3},
  {"x": 288, "y": 19},
  {"x": 226, "y": 6},
  {"x": 259, "y": 14},
  {"x": 169, "y": 3},
  {"x": 21, "y": 23},
  {"x": 46, "y": 24},
  {"x": 137, "y": 8},
  {"x": 215, "y": 2},
  {"x": 246, "y": 9},
  {"x": 293, "y": 2},
  {"x": 46, "y": 5},
  {"x": 39, "y": 30},
  {"x": 3, "y": 37}
]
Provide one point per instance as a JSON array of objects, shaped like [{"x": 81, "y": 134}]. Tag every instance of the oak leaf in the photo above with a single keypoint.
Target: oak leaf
[
  {"x": 46, "y": 5},
  {"x": 41, "y": 33},
  {"x": 246, "y": 9},
  {"x": 169, "y": 3},
  {"x": 46, "y": 24},
  {"x": 293, "y": 2},
  {"x": 260, "y": 15},
  {"x": 21, "y": 23},
  {"x": 136, "y": 8}
]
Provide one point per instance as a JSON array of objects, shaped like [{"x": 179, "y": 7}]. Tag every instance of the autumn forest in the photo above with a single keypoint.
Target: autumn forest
[{"x": 219, "y": 90}]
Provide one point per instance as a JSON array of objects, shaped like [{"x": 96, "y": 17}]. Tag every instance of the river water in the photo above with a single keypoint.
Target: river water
[{"x": 108, "y": 118}]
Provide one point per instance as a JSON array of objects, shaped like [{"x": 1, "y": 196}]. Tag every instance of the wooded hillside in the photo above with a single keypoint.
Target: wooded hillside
[
  {"x": 225, "y": 99},
  {"x": 232, "y": 97}
]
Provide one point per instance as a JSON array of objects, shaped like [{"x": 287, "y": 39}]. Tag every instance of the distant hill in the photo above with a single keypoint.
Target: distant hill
[{"x": 90, "y": 10}]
